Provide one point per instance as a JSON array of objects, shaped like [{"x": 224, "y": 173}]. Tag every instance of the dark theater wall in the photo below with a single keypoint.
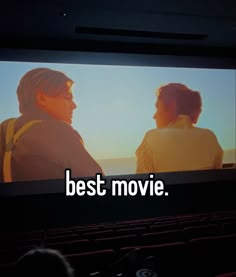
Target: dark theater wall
[{"x": 50, "y": 210}]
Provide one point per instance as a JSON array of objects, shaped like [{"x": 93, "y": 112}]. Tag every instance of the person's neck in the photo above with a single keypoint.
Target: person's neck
[
  {"x": 182, "y": 121},
  {"x": 36, "y": 113}
]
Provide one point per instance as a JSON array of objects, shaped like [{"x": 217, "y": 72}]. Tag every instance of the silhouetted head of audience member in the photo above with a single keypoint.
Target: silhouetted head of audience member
[
  {"x": 43, "y": 263},
  {"x": 176, "y": 99},
  {"x": 47, "y": 90}
]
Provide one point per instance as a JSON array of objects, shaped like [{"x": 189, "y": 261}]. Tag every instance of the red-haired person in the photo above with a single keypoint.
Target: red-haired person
[{"x": 176, "y": 144}]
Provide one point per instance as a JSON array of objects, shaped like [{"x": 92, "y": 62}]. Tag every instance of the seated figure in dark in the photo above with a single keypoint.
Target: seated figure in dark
[{"x": 43, "y": 263}]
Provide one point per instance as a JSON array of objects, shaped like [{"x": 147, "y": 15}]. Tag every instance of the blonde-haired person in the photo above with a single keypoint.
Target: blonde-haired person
[
  {"x": 41, "y": 143},
  {"x": 176, "y": 144}
]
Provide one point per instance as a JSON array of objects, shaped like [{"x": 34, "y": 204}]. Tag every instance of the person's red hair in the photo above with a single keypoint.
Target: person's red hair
[{"x": 188, "y": 102}]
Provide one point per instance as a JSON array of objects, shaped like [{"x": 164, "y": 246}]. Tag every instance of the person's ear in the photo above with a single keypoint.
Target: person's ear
[{"x": 41, "y": 99}]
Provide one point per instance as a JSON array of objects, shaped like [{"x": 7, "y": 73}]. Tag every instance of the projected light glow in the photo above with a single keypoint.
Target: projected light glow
[{"x": 115, "y": 105}]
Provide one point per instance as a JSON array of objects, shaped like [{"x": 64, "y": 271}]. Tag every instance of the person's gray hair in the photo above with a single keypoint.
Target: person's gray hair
[
  {"x": 46, "y": 80},
  {"x": 45, "y": 262}
]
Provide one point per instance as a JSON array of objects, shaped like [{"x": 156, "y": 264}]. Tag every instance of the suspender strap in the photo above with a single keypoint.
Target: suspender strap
[
  {"x": 9, "y": 144},
  {"x": 11, "y": 139}
]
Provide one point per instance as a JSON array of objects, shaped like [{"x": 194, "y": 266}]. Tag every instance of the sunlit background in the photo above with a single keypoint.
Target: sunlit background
[{"x": 116, "y": 105}]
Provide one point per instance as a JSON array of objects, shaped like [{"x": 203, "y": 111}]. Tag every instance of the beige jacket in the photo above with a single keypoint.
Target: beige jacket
[{"x": 179, "y": 147}]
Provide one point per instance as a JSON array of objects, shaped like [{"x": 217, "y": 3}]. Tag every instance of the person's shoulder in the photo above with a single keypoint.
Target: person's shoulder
[
  {"x": 152, "y": 135},
  {"x": 205, "y": 131},
  {"x": 4, "y": 123},
  {"x": 152, "y": 132},
  {"x": 55, "y": 129},
  {"x": 56, "y": 126},
  {"x": 155, "y": 132},
  {"x": 209, "y": 135}
]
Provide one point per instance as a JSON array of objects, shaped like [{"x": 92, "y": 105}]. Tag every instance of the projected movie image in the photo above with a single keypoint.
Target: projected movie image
[{"x": 113, "y": 120}]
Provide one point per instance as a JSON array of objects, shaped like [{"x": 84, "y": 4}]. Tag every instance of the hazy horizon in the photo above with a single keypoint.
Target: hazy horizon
[{"x": 127, "y": 165}]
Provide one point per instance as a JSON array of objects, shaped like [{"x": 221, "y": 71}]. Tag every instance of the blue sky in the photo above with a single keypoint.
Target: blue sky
[{"x": 116, "y": 103}]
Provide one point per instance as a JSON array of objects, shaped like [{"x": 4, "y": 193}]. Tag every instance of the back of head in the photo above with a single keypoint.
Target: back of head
[
  {"x": 46, "y": 80},
  {"x": 188, "y": 102},
  {"x": 43, "y": 262}
]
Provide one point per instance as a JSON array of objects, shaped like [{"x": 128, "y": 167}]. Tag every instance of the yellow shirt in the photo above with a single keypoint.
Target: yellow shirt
[{"x": 178, "y": 147}]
